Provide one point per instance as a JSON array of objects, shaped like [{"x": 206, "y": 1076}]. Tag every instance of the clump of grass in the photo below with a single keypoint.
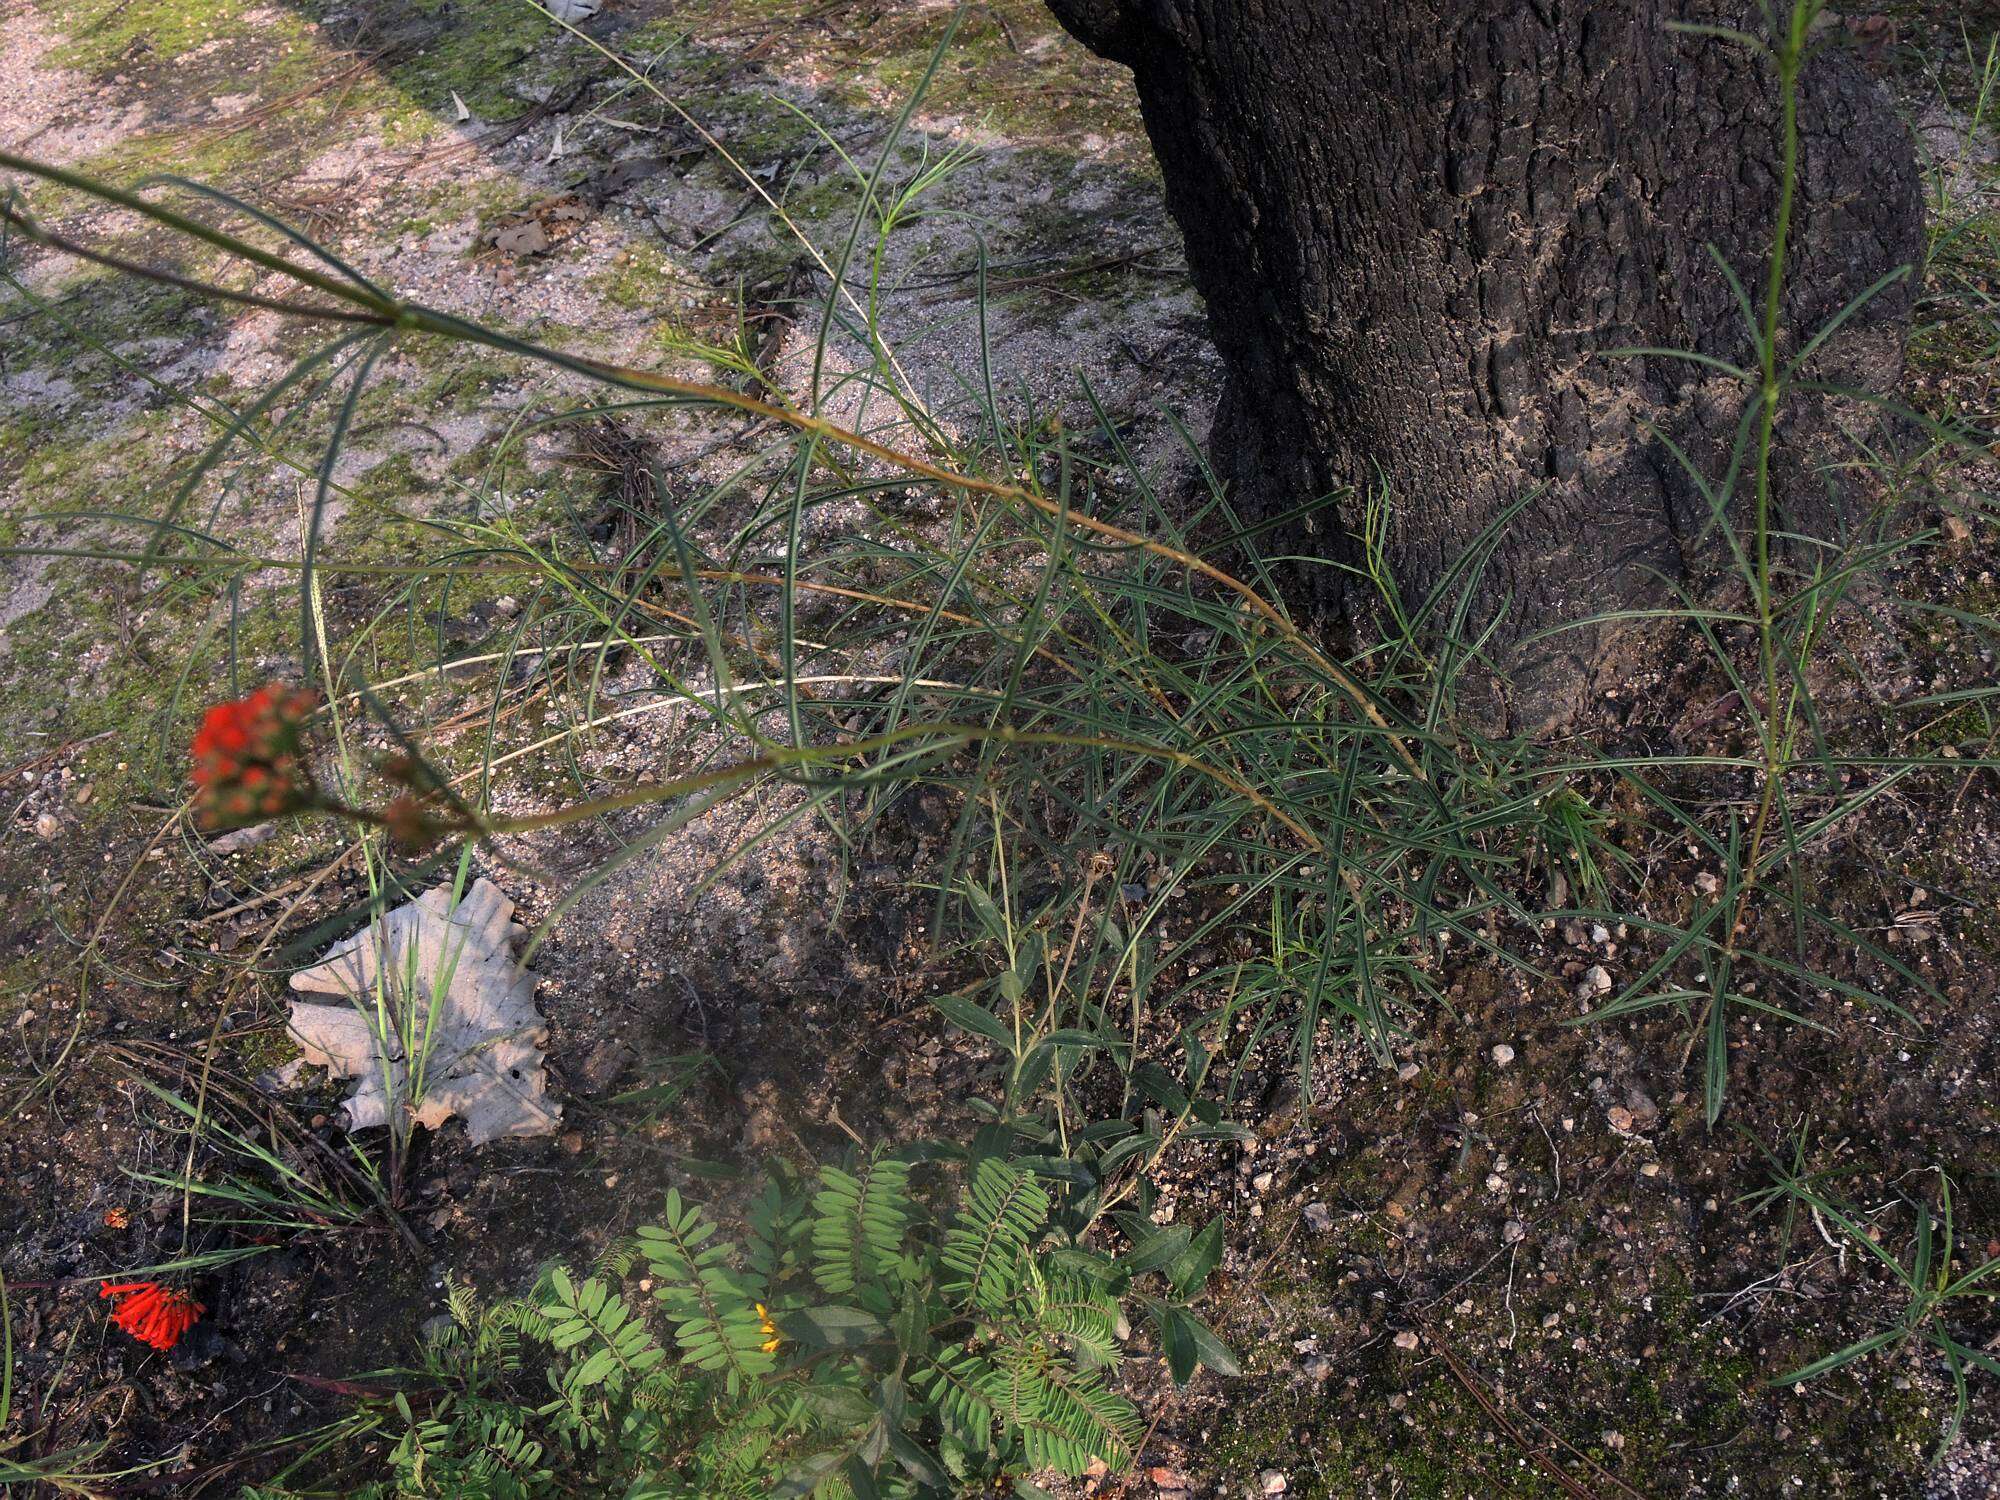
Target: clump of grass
[{"x": 1939, "y": 1289}]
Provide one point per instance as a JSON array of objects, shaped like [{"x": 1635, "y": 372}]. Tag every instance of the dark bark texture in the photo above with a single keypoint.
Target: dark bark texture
[{"x": 1421, "y": 226}]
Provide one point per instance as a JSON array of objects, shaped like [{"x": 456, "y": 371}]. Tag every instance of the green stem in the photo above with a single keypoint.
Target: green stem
[
  {"x": 1774, "y": 727},
  {"x": 783, "y": 757},
  {"x": 1790, "y": 55},
  {"x": 388, "y": 313}
]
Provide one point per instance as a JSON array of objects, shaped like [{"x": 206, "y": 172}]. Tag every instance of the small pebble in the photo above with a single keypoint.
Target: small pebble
[
  {"x": 1514, "y": 1232},
  {"x": 1319, "y": 1218},
  {"x": 1502, "y": 1055},
  {"x": 46, "y": 826},
  {"x": 1408, "y": 1071},
  {"x": 1273, "y": 1482},
  {"x": 1407, "y": 1339}
]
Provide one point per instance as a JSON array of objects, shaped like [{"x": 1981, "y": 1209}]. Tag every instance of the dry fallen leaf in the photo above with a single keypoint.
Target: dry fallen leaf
[
  {"x": 243, "y": 839},
  {"x": 536, "y": 229},
  {"x": 485, "y": 1055},
  {"x": 528, "y": 238}
]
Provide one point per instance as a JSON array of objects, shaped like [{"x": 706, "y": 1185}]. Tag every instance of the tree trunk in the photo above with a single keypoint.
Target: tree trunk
[{"x": 1422, "y": 227}]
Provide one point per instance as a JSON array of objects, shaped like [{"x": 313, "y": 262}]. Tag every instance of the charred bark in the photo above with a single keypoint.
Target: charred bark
[{"x": 1423, "y": 226}]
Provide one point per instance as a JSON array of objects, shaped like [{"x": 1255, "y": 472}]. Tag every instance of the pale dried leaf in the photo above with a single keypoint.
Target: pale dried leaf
[
  {"x": 485, "y": 1052},
  {"x": 527, "y": 238},
  {"x": 243, "y": 839}
]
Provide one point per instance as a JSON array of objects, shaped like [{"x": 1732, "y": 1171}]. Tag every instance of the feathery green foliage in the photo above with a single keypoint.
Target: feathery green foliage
[{"x": 980, "y": 1347}]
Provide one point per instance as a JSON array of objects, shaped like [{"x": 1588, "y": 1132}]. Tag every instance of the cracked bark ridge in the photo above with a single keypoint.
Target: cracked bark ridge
[{"x": 1422, "y": 226}]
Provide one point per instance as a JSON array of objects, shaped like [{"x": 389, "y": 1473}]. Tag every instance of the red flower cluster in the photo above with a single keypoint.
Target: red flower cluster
[
  {"x": 247, "y": 763},
  {"x": 151, "y": 1313}
]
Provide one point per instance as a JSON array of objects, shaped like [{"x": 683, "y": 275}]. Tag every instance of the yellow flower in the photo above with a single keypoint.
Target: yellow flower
[{"x": 772, "y": 1337}]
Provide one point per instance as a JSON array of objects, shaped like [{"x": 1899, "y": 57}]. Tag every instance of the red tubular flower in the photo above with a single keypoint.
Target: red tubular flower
[
  {"x": 151, "y": 1313},
  {"x": 247, "y": 760}
]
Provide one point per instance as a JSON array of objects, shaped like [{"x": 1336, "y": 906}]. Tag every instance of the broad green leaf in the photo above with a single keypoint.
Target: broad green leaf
[
  {"x": 834, "y": 1327},
  {"x": 1203, "y": 1255},
  {"x": 976, "y": 1019}
]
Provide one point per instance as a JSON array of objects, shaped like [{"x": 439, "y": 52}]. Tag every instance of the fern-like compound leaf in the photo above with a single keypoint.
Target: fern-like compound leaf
[
  {"x": 717, "y": 1327},
  {"x": 1076, "y": 1306},
  {"x": 859, "y": 1222},
  {"x": 1003, "y": 1213}
]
